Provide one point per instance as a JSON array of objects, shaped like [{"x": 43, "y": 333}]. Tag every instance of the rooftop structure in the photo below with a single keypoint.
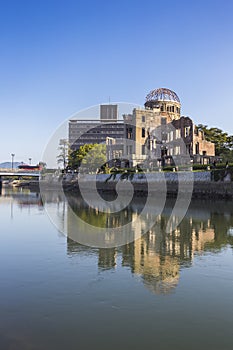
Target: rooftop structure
[
  {"x": 164, "y": 100},
  {"x": 108, "y": 113},
  {"x": 162, "y": 94}
]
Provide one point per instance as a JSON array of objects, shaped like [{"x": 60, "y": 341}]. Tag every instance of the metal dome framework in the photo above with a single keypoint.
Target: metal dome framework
[{"x": 162, "y": 94}]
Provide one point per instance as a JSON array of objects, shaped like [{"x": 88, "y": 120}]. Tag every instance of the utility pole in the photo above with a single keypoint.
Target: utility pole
[{"x": 12, "y": 160}]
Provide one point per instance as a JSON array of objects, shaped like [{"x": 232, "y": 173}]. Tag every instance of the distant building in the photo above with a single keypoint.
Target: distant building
[
  {"x": 83, "y": 132},
  {"x": 96, "y": 131}
]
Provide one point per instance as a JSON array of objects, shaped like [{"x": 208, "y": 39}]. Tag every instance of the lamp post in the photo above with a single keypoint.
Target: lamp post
[
  {"x": 12, "y": 160},
  {"x": 30, "y": 161}
]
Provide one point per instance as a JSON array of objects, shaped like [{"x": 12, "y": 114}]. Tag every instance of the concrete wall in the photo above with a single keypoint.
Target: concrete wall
[
  {"x": 203, "y": 187},
  {"x": 202, "y": 176},
  {"x": 204, "y": 146}
]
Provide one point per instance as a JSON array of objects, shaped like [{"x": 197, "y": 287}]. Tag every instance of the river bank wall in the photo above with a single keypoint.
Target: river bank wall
[{"x": 154, "y": 184}]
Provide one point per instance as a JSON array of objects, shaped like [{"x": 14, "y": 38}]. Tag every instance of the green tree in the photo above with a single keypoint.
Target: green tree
[
  {"x": 75, "y": 158},
  {"x": 223, "y": 142},
  {"x": 88, "y": 156}
]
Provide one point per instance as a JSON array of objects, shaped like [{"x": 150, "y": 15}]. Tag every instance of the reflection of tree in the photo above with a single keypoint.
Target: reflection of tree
[
  {"x": 98, "y": 218},
  {"x": 74, "y": 248},
  {"x": 107, "y": 258},
  {"x": 221, "y": 224}
]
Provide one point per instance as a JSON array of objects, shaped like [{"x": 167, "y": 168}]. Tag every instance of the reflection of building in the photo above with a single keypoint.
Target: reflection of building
[
  {"x": 24, "y": 198},
  {"x": 156, "y": 133},
  {"x": 160, "y": 273},
  {"x": 157, "y": 256},
  {"x": 107, "y": 258}
]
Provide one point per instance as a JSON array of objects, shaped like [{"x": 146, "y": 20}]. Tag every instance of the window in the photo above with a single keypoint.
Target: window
[
  {"x": 143, "y": 150},
  {"x": 143, "y": 132},
  {"x": 151, "y": 145},
  {"x": 143, "y": 119},
  {"x": 164, "y": 136},
  {"x": 186, "y": 131},
  {"x": 129, "y": 132},
  {"x": 177, "y": 133},
  {"x": 177, "y": 150},
  {"x": 163, "y": 121},
  {"x": 170, "y": 108},
  {"x": 129, "y": 150},
  {"x": 164, "y": 151}
]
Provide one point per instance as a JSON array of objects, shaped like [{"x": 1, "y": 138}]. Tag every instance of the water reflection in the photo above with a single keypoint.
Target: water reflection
[
  {"x": 157, "y": 257},
  {"x": 22, "y": 197}
]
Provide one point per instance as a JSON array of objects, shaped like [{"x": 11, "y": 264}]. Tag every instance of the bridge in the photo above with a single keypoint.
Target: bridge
[{"x": 18, "y": 173}]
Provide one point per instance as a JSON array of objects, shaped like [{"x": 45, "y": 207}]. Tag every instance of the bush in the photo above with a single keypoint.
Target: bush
[
  {"x": 168, "y": 168},
  {"x": 223, "y": 165},
  {"x": 219, "y": 174},
  {"x": 125, "y": 170}
]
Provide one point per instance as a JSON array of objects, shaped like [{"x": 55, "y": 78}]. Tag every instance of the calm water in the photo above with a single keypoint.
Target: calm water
[{"x": 163, "y": 291}]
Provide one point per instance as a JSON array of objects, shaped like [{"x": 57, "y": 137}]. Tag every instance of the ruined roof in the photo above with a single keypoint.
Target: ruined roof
[{"x": 162, "y": 94}]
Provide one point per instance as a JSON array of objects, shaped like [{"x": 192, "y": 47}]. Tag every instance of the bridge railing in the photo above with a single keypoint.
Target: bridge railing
[{"x": 4, "y": 170}]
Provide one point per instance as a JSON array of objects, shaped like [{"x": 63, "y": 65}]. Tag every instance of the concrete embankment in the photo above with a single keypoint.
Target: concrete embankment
[{"x": 198, "y": 184}]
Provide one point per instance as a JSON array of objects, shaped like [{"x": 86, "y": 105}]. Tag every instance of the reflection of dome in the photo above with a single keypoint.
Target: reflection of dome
[
  {"x": 158, "y": 286},
  {"x": 159, "y": 276},
  {"x": 162, "y": 94}
]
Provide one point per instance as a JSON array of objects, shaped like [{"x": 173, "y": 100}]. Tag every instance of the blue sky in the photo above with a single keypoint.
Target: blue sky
[{"x": 58, "y": 57}]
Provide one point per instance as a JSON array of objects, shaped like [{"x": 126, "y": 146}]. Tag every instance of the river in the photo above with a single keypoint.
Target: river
[{"x": 164, "y": 290}]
